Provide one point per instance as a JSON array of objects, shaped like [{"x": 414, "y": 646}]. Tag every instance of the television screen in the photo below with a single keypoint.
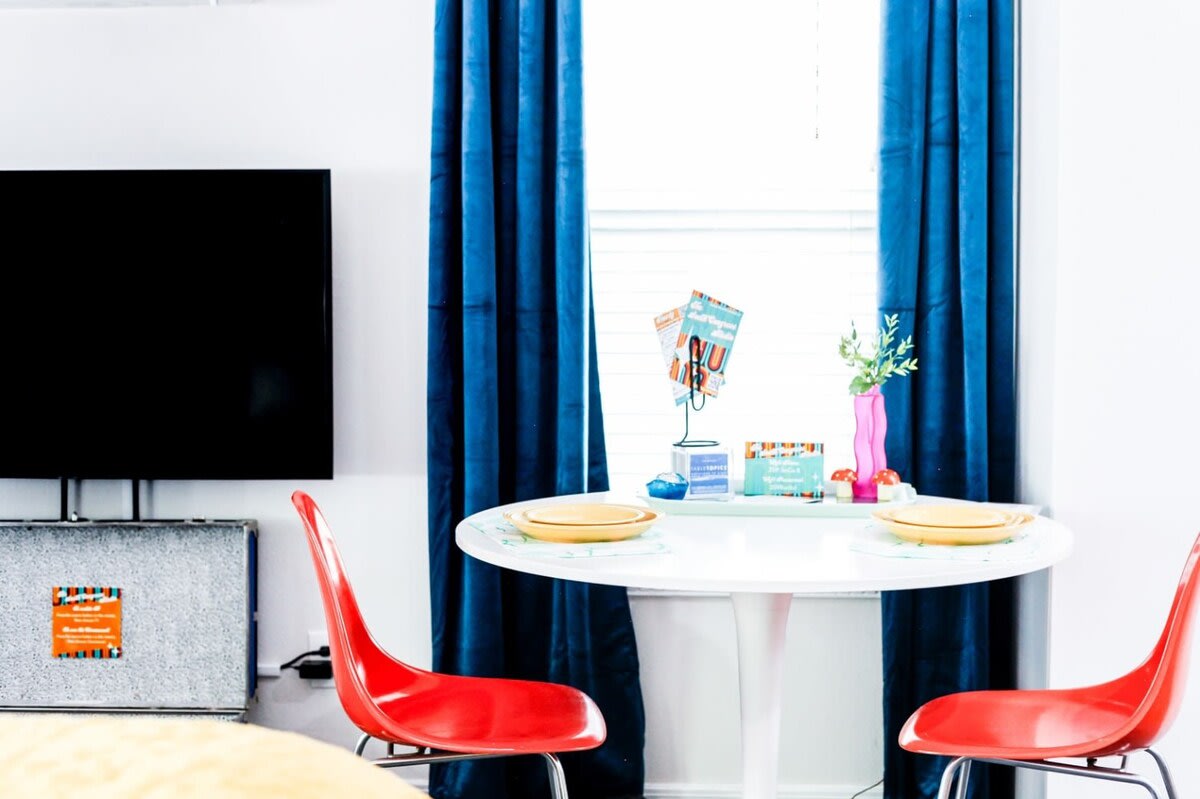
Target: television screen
[{"x": 166, "y": 324}]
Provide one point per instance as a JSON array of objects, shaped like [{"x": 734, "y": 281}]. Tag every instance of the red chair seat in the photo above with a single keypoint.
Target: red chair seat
[
  {"x": 1017, "y": 725},
  {"x": 480, "y": 714}
]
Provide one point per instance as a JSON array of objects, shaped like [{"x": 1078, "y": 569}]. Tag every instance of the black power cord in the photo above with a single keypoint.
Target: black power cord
[
  {"x": 318, "y": 668},
  {"x": 291, "y": 664}
]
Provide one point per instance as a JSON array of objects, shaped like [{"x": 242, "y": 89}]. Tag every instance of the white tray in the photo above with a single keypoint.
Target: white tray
[{"x": 742, "y": 505}]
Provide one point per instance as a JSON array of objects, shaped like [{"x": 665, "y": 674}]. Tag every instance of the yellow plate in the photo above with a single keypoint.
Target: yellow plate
[
  {"x": 586, "y": 515},
  {"x": 956, "y": 535},
  {"x": 958, "y": 516},
  {"x": 581, "y": 533}
]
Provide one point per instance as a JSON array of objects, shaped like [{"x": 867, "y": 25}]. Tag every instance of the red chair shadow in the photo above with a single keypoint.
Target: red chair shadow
[
  {"x": 1037, "y": 729},
  {"x": 444, "y": 717}
]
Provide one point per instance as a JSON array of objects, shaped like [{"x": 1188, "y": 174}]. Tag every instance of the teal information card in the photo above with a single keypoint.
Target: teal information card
[{"x": 785, "y": 469}]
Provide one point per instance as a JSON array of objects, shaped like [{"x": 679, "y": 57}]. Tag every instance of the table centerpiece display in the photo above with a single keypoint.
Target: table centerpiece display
[{"x": 872, "y": 368}]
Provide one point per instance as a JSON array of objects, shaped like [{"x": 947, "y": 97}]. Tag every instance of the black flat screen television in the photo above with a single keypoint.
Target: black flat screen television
[{"x": 166, "y": 324}]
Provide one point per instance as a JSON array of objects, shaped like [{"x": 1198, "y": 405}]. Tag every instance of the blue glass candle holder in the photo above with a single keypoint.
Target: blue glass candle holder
[{"x": 668, "y": 485}]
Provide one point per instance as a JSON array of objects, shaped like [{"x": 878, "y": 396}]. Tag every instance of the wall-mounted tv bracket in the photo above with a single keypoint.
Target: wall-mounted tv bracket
[{"x": 64, "y": 510}]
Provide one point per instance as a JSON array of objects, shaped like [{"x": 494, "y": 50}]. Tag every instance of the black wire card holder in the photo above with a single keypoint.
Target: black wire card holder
[{"x": 696, "y": 398}]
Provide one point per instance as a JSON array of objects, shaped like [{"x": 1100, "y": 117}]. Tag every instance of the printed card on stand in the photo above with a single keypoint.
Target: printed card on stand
[
  {"x": 668, "y": 325},
  {"x": 714, "y": 324}
]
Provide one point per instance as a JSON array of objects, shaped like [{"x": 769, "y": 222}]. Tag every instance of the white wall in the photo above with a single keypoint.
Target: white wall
[
  {"x": 346, "y": 84},
  {"x": 343, "y": 84},
  {"x": 1109, "y": 171}
]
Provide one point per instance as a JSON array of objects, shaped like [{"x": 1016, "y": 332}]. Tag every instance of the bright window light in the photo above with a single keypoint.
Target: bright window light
[{"x": 731, "y": 149}]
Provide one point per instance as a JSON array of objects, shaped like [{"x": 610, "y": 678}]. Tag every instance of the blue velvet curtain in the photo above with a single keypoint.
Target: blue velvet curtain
[
  {"x": 513, "y": 395},
  {"x": 946, "y": 268}
]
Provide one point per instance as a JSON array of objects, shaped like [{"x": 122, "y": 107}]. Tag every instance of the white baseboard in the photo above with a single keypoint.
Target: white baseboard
[{"x": 678, "y": 790}]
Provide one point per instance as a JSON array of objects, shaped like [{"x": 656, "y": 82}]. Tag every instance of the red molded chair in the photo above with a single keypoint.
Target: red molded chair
[
  {"x": 445, "y": 717},
  {"x": 1037, "y": 728}
]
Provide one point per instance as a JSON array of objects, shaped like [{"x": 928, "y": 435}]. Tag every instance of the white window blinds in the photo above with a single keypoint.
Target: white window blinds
[{"x": 731, "y": 149}]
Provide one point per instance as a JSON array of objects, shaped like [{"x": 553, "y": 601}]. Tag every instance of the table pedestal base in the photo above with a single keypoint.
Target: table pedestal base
[{"x": 761, "y": 621}]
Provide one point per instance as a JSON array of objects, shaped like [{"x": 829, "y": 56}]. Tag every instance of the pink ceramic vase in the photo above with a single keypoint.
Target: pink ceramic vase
[{"x": 869, "y": 434}]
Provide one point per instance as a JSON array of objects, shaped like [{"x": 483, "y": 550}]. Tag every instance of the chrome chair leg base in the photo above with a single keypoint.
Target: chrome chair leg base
[
  {"x": 961, "y": 767},
  {"x": 422, "y": 756}
]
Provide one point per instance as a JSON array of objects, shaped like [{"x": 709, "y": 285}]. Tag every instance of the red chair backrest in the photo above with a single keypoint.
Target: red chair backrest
[
  {"x": 1156, "y": 686},
  {"x": 352, "y": 649}
]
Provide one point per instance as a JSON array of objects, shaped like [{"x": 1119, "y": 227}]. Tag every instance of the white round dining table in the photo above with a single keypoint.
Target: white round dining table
[{"x": 762, "y": 562}]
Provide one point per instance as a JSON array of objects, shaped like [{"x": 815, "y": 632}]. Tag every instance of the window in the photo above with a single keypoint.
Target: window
[{"x": 731, "y": 149}]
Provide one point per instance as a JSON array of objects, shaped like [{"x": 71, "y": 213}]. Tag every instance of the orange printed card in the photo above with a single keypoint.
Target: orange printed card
[{"x": 86, "y": 622}]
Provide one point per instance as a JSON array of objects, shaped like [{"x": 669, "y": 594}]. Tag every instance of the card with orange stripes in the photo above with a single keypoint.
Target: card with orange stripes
[{"x": 86, "y": 622}]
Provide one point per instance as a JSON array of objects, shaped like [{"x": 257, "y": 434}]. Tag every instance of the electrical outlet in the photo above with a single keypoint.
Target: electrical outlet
[{"x": 317, "y": 639}]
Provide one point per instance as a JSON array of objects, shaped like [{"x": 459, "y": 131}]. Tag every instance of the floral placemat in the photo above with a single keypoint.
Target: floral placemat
[
  {"x": 502, "y": 532},
  {"x": 876, "y": 539}
]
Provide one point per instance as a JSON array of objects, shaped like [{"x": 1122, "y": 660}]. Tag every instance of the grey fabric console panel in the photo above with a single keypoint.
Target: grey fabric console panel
[{"x": 187, "y": 614}]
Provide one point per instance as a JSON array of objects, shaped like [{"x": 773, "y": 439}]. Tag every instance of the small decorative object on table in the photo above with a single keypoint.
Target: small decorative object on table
[
  {"x": 845, "y": 479},
  {"x": 885, "y": 481},
  {"x": 706, "y": 470},
  {"x": 871, "y": 371},
  {"x": 696, "y": 340},
  {"x": 784, "y": 469},
  {"x": 667, "y": 485}
]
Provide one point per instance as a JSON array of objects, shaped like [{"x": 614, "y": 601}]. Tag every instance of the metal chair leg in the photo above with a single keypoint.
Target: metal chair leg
[
  {"x": 1090, "y": 770},
  {"x": 558, "y": 780},
  {"x": 948, "y": 778},
  {"x": 554, "y": 769},
  {"x": 964, "y": 774},
  {"x": 1166, "y": 775}
]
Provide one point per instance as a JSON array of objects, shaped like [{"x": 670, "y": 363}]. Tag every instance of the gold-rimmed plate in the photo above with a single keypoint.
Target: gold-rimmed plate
[
  {"x": 923, "y": 534},
  {"x": 586, "y": 514},
  {"x": 955, "y": 515},
  {"x": 581, "y": 533}
]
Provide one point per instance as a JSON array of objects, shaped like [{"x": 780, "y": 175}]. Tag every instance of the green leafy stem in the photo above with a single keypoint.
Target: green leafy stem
[{"x": 882, "y": 361}]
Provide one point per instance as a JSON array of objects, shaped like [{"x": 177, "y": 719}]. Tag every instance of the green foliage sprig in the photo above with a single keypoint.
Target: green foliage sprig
[{"x": 873, "y": 368}]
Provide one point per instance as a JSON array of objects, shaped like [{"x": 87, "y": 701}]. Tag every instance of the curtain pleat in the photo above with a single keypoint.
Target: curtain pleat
[
  {"x": 513, "y": 391},
  {"x": 946, "y": 268}
]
